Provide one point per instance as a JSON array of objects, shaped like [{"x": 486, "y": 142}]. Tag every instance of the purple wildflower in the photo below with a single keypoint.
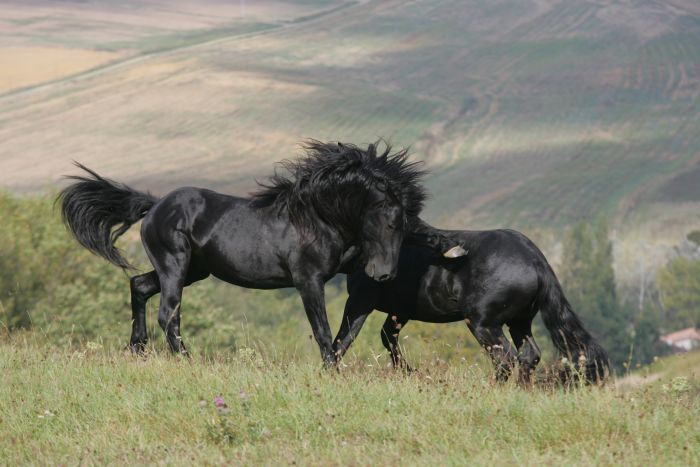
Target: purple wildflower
[{"x": 220, "y": 402}]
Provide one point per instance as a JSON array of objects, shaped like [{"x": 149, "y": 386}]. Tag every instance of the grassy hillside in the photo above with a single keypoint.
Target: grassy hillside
[
  {"x": 162, "y": 410},
  {"x": 530, "y": 114},
  {"x": 664, "y": 370}
]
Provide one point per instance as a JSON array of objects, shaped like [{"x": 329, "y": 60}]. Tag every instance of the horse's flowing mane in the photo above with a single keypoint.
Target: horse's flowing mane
[{"x": 332, "y": 181}]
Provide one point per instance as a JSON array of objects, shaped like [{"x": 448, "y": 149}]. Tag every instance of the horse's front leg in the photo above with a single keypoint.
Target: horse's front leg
[
  {"x": 363, "y": 297},
  {"x": 312, "y": 294},
  {"x": 357, "y": 309}
]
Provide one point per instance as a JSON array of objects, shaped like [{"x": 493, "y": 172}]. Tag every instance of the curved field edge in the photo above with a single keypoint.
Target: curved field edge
[{"x": 92, "y": 406}]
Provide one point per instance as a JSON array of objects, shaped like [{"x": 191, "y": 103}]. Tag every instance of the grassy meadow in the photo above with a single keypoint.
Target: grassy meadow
[{"x": 160, "y": 409}]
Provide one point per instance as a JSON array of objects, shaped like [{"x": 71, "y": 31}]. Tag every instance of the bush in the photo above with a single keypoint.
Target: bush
[{"x": 50, "y": 283}]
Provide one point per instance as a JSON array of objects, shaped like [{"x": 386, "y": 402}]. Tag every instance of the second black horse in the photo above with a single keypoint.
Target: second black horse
[
  {"x": 338, "y": 202},
  {"x": 503, "y": 279}
]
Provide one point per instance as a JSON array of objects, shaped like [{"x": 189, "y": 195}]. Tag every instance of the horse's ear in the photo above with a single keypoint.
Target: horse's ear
[{"x": 372, "y": 150}]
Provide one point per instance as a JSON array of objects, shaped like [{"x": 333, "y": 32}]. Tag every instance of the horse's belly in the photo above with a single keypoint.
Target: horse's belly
[
  {"x": 431, "y": 310},
  {"x": 248, "y": 271},
  {"x": 254, "y": 283}
]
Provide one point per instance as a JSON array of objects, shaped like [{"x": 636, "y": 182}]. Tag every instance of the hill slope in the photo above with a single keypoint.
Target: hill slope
[
  {"x": 162, "y": 410},
  {"x": 533, "y": 113}
]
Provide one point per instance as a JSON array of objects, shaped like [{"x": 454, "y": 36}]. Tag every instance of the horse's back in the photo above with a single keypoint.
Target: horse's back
[
  {"x": 225, "y": 235},
  {"x": 501, "y": 275},
  {"x": 191, "y": 210},
  {"x": 497, "y": 277}
]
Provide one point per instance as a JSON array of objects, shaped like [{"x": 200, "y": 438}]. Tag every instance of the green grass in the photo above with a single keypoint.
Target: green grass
[
  {"x": 674, "y": 366},
  {"x": 91, "y": 406}
]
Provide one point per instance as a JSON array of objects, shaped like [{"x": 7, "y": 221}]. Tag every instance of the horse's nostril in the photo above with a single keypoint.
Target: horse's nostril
[{"x": 383, "y": 277}]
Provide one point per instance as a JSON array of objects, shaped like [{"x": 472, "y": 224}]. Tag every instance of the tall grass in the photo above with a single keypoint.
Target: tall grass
[{"x": 88, "y": 405}]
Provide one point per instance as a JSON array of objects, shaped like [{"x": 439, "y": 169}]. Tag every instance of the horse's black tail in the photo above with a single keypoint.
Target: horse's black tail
[
  {"x": 567, "y": 331},
  {"x": 92, "y": 208}
]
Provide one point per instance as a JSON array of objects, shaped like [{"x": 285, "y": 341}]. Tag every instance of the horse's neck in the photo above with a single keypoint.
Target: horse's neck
[
  {"x": 323, "y": 233},
  {"x": 343, "y": 235}
]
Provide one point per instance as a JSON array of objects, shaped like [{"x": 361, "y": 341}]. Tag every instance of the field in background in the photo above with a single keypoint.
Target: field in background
[
  {"x": 43, "y": 42},
  {"x": 27, "y": 66},
  {"x": 137, "y": 27},
  {"x": 163, "y": 410},
  {"x": 530, "y": 115}
]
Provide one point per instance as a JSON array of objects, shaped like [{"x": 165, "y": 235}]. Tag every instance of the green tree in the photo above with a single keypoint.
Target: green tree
[
  {"x": 694, "y": 237},
  {"x": 679, "y": 287},
  {"x": 646, "y": 333},
  {"x": 589, "y": 283}
]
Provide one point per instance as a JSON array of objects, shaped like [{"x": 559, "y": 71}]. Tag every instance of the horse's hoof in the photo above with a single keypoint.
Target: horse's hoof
[
  {"x": 455, "y": 252},
  {"x": 330, "y": 362},
  {"x": 137, "y": 348}
]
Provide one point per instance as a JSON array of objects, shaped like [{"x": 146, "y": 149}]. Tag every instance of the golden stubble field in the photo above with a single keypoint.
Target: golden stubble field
[
  {"x": 43, "y": 41},
  {"x": 27, "y": 66}
]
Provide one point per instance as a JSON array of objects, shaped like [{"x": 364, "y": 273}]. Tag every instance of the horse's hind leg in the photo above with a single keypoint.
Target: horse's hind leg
[
  {"x": 390, "y": 337},
  {"x": 172, "y": 264},
  {"x": 528, "y": 352},
  {"x": 143, "y": 287},
  {"x": 169, "y": 310},
  {"x": 497, "y": 346}
]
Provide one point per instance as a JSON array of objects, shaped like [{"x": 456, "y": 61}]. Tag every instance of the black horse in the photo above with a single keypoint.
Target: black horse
[
  {"x": 338, "y": 204},
  {"x": 503, "y": 279}
]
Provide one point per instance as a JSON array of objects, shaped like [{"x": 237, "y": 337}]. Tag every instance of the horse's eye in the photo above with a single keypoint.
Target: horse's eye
[{"x": 395, "y": 225}]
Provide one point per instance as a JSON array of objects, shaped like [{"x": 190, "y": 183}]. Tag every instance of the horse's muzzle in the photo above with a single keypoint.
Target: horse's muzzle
[
  {"x": 383, "y": 277},
  {"x": 379, "y": 274}
]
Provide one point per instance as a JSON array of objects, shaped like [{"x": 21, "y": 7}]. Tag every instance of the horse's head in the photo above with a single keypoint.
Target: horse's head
[
  {"x": 363, "y": 194},
  {"x": 382, "y": 232}
]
